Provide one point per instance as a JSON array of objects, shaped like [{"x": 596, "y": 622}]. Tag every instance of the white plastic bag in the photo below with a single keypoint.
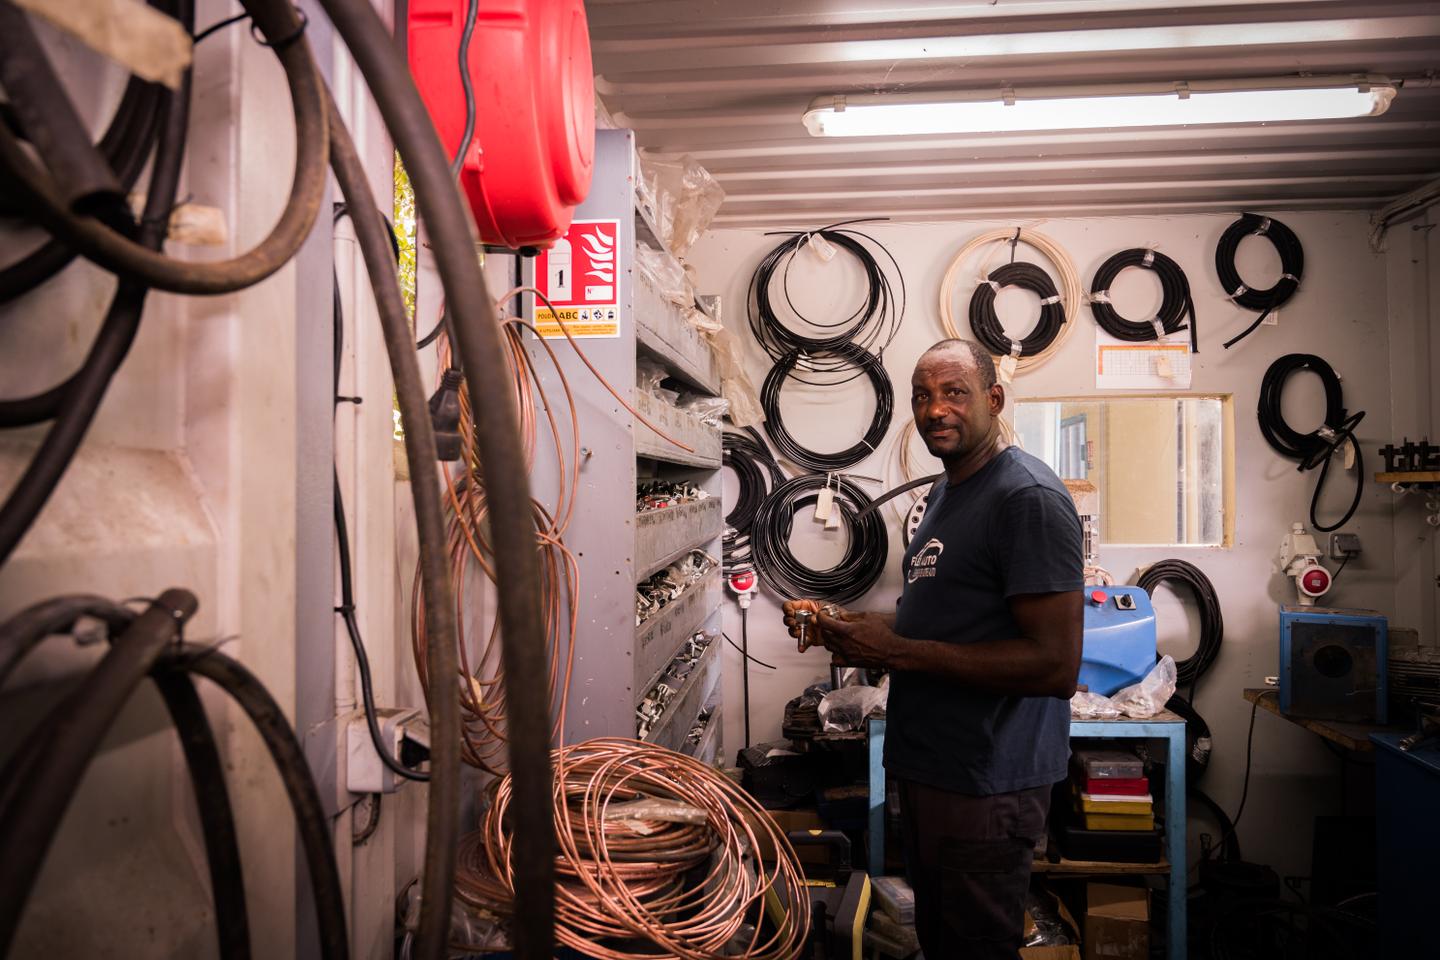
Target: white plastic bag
[
  {"x": 1092, "y": 706},
  {"x": 845, "y": 709},
  {"x": 1148, "y": 697}
]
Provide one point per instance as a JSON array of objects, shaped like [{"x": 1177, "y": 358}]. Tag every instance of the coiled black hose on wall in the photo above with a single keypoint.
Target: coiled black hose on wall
[
  {"x": 865, "y": 554},
  {"x": 1212, "y": 623},
  {"x": 1176, "y": 303},
  {"x": 1292, "y": 268},
  {"x": 757, "y": 474},
  {"x": 985, "y": 323},
  {"x": 785, "y": 443},
  {"x": 1316, "y": 448}
]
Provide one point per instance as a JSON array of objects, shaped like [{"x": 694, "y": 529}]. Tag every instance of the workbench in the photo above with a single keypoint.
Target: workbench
[
  {"x": 1163, "y": 726},
  {"x": 1351, "y": 736}
]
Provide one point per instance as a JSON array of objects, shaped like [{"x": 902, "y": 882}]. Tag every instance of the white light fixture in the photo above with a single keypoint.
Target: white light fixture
[{"x": 1174, "y": 104}]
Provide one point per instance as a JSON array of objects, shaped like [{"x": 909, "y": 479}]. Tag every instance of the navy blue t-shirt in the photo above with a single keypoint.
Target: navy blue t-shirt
[{"x": 1009, "y": 529}]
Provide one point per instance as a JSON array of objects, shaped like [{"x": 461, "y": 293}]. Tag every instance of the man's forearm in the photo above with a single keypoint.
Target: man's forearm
[{"x": 1018, "y": 667}]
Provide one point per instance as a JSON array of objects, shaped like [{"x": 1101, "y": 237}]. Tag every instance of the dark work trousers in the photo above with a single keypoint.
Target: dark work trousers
[{"x": 969, "y": 864}]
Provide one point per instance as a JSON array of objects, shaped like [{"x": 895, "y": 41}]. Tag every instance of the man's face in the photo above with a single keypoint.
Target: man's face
[{"x": 953, "y": 411}]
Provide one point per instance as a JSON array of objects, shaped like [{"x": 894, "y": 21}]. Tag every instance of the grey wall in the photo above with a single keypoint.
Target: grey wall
[{"x": 1340, "y": 313}]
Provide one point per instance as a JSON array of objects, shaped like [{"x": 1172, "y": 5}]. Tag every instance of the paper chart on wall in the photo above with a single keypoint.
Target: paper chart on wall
[{"x": 1155, "y": 365}]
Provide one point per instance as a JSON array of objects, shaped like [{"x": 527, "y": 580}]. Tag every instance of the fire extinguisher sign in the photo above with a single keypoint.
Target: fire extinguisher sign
[{"x": 580, "y": 275}]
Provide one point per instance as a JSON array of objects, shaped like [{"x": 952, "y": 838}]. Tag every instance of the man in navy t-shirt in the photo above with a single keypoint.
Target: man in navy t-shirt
[{"x": 983, "y": 650}]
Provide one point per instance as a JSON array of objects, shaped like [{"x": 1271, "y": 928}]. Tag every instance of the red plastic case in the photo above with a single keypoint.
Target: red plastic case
[{"x": 530, "y": 161}]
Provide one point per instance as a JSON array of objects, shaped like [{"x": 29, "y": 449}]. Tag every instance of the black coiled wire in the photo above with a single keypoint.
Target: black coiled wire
[
  {"x": 858, "y": 569},
  {"x": 871, "y": 326},
  {"x": 1176, "y": 302},
  {"x": 1292, "y": 267},
  {"x": 986, "y": 324},
  {"x": 851, "y": 355},
  {"x": 1312, "y": 449},
  {"x": 1212, "y": 624},
  {"x": 758, "y": 473}
]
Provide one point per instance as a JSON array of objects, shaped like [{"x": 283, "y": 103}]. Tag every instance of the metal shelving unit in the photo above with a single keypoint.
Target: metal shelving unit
[{"x": 616, "y": 661}]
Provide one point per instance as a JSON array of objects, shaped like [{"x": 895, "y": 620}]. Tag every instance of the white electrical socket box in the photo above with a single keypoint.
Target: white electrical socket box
[{"x": 365, "y": 772}]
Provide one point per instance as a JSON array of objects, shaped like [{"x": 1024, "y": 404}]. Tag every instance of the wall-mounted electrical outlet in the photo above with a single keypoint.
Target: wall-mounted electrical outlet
[{"x": 1344, "y": 545}]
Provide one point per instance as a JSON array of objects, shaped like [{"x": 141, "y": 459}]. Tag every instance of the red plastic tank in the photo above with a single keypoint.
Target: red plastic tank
[{"x": 533, "y": 152}]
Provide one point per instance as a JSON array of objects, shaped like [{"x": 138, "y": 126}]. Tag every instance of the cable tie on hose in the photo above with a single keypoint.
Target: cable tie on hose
[
  {"x": 1049, "y": 300},
  {"x": 1291, "y": 277},
  {"x": 1263, "y": 229},
  {"x": 1240, "y": 291},
  {"x": 1159, "y": 326},
  {"x": 986, "y": 281},
  {"x": 279, "y": 46},
  {"x": 1016, "y": 348},
  {"x": 1326, "y": 433},
  {"x": 1099, "y": 296},
  {"x": 1149, "y": 259}
]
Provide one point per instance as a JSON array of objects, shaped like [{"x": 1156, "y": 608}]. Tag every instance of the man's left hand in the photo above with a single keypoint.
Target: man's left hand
[{"x": 858, "y": 639}]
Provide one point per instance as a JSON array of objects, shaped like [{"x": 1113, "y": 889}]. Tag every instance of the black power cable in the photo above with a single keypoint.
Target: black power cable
[
  {"x": 852, "y": 355},
  {"x": 1314, "y": 449},
  {"x": 1212, "y": 624},
  {"x": 985, "y": 323},
  {"x": 1292, "y": 268},
  {"x": 865, "y": 554},
  {"x": 758, "y": 473},
  {"x": 1176, "y": 302},
  {"x": 871, "y": 326}
]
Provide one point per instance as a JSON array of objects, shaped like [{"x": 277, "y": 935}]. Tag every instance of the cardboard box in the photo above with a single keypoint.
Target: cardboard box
[
  {"x": 1070, "y": 952},
  {"x": 1117, "y": 922}
]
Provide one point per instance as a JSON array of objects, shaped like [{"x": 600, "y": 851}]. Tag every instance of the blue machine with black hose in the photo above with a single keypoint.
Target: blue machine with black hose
[{"x": 1119, "y": 642}]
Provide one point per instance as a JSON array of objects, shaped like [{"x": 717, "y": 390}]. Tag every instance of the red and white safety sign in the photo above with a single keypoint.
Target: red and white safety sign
[{"x": 580, "y": 275}]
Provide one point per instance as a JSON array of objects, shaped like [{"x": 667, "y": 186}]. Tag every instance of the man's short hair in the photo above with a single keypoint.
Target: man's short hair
[{"x": 983, "y": 361}]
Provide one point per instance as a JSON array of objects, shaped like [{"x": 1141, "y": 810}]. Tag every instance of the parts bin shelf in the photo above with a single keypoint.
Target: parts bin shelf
[{"x": 665, "y": 535}]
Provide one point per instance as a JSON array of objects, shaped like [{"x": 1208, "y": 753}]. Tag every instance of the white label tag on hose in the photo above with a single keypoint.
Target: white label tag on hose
[
  {"x": 1273, "y": 320},
  {"x": 824, "y": 502},
  {"x": 1349, "y": 456},
  {"x": 833, "y": 523},
  {"x": 1006, "y": 369},
  {"x": 148, "y": 43},
  {"x": 821, "y": 247}
]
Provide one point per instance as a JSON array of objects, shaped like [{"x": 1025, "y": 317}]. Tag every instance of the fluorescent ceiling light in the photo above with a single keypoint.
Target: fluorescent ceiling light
[{"x": 1258, "y": 101}]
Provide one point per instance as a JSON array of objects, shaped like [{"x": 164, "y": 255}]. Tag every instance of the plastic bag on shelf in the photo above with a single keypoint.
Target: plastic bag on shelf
[
  {"x": 684, "y": 198},
  {"x": 735, "y": 384},
  {"x": 710, "y": 410},
  {"x": 474, "y": 928},
  {"x": 666, "y": 275},
  {"x": 649, "y": 374},
  {"x": 845, "y": 709},
  {"x": 1085, "y": 705},
  {"x": 1148, "y": 697}
]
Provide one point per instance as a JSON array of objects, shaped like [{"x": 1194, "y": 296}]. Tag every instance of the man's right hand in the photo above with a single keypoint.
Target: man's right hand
[{"x": 812, "y": 627}]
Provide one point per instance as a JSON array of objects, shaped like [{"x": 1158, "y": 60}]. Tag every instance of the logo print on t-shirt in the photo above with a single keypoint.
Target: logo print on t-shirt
[{"x": 922, "y": 565}]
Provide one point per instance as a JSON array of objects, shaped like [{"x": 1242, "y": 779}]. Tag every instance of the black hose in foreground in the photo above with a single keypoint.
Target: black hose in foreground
[
  {"x": 1212, "y": 624},
  {"x": 985, "y": 323},
  {"x": 1175, "y": 301},
  {"x": 1317, "y": 448},
  {"x": 865, "y": 554},
  {"x": 790, "y": 449},
  {"x": 1292, "y": 268}
]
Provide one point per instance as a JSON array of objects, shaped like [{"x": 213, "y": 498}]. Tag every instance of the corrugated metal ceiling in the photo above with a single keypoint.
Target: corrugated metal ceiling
[{"x": 727, "y": 82}]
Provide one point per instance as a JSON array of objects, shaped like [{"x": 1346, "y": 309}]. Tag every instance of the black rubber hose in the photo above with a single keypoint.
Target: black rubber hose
[
  {"x": 289, "y": 758},
  {"x": 865, "y": 554},
  {"x": 871, "y": 326},
  {"x": 1292, "y": 268},
  {"x": 85, "y": 390},
  {"x": 1314, "y": 449},
  {"x": 217, "y": 818},
  {"x": 1212, "y": 623},
  {"x": 141, "y": 263},
  {"x": 855, "y": 356},
  {"x": 71, "y": 735},
  {"x": 986, "y": 326},
  {"x": 83, "y": 179},
  {"x": 758, "y": 473},
  {"x": 442, "y": 831},
  {"x": 1176, "y": 303}
]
